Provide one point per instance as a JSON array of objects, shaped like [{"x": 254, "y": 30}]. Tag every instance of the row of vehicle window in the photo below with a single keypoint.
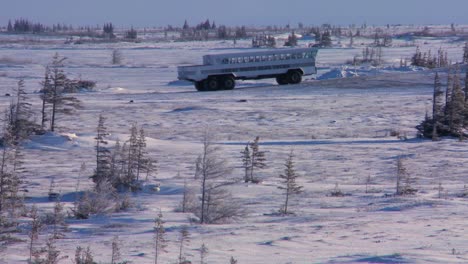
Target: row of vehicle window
[
  {"x": 257, "y": 68},
  {"x": 273, "y": 57}
]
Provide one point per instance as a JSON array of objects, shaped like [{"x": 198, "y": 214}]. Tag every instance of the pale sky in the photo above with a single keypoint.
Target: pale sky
[{"x": 237, "y": 12}]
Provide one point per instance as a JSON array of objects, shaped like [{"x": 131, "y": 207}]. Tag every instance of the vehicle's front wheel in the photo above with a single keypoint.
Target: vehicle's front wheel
[{"x": 294, "y": 77}]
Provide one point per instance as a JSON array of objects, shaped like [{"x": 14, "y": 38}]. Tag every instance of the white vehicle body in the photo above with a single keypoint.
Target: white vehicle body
[{"x": 218, "y": 72}]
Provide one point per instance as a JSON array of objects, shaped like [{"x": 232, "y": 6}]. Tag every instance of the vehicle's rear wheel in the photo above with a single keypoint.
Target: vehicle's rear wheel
[
  {"x": 294, "y": 77},
  {"x": 211, "y": 84},
  {"x": 229, "y": 83},
  {"x": 282, "y": 79}
]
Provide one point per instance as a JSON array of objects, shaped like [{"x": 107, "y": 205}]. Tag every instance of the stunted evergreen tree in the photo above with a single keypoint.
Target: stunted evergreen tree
[
  {"x": 10, "y": 27},
  {"x": 326, "y": 39},
  {"x": 58, "y": 82},
  {"x": 437, "y": 106},
  {"x": 52, "y": 253},
  {"x": 116, "y": 57},
  {"x": 465, "y": 53},
  {"x": 184, "y": 239},
  {"x": 83, "y": 256},
  {"x": 21, "y": 115},
  {"x": 288, "y": 183},
  {"x": 203, "y": 253},
  {"x": 102, "y": 172},
  {"x": 141, "y": 160},
  {"x": 58, "y": 221},
  {"x": 115, "y": 250},
  {"x": 246, "y": 163},
  {"x": 132, "y": 157},
  {"x": 404, "y": 181},
  {"x": 466, "y": 88},
  {"x": 34, "y": 231},
  {"x": 400, "y": 176},
  {"x": 456, "y": 108},
  {"x": 185, "y": 26},
  {"x": 160, "y": 242},
  {"x": 11, "y": 202},
  {"x": 117, "y": 162},
  {"x": 61, "y": 103},
  {"x": 257, "y": 159},
  {"x": 45, "y": 95}
]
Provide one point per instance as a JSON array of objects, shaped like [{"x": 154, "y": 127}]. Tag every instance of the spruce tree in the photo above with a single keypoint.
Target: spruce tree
[
  {"x": 246, "y": 162},
  {"x": 142, "y": 160},
  {"x": 465, "y": 53},
  {"x": 58, "y": 221},
  {"x": 10, "y": 176},
  {"x": 288, "y": 183},
  {"x": 116, "y": 163},
  {"x": 58, "y": 82},
  {"x": 437, "y": 106},
  {"x": 9, "y": 27},
  {"x": 184, "y": 238},
  {"x": 115, "y": 250},
  {"x": 160, "y": 242},
  {"x": 45, "y": 95},
  {"x": 448, "y": 91},
  {"x": 52, "y": 253},
  {"x": 21, "y": 114},
  {"x": 132, "y": 158},
  {"x": 404, "y": 181},
  {"x": 457, "y": 108},
  {"x": 203, "y": 252},
  {"x": 257, "y": 159},
  {"x": 34, "y": 231},
  {"x": 116, "y": 57},
  {"x": 102, "y": 172},
  {"x": 326, "y": 39},
  {"x": 83, "y": 256},
  {"x": 61, "y": 103},
  {"x": 185, "y": 26},
  {"x": 466, "y": 87}
]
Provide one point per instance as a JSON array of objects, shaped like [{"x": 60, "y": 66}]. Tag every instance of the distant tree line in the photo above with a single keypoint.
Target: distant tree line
[{"x": 25, "y": 26}]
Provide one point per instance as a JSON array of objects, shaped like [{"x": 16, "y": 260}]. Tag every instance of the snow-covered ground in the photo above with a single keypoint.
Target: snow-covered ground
[{"x": 340, "y": 130}]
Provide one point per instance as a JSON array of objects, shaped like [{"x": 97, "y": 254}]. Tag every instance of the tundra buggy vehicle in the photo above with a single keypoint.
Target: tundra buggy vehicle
[{"x": 220, "y": 71}]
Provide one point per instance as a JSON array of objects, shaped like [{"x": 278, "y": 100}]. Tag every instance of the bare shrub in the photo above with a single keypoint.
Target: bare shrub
[
  {"x": 116, "y": 57},
  {"x": 336, "y": 192},
  {"x": 216, "y": 202},
  {"x": 83, "y": 256},
  {"x": 102, "y": 201}
]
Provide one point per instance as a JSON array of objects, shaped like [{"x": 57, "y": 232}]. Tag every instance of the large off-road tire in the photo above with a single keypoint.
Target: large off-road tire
[
  {"x": 282, "y": 79},
  {"x": 199, "y": 86},
  {"x": 211, "y": 84},
  {"x": 228, "y": 83},
  {"x": 294, "y": 77}
]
